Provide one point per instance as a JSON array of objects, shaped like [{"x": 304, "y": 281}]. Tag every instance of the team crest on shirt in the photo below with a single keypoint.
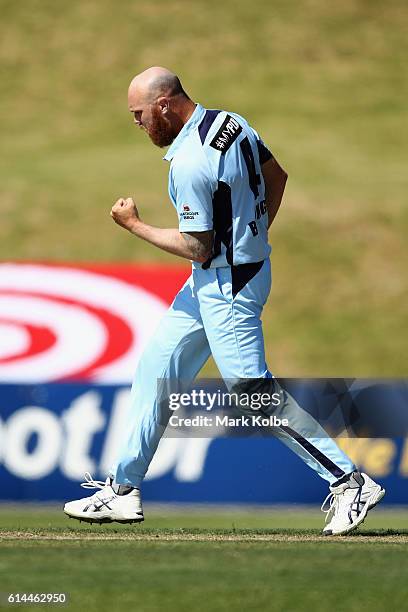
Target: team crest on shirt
[{"x": 226, "y": 135}]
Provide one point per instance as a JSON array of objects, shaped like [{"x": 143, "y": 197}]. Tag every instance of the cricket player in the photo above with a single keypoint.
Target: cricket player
[{"x": 227, "y": 188}]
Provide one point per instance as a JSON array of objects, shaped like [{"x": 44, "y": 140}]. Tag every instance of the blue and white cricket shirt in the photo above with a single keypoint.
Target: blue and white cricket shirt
[{"x": 215, "y": 182}]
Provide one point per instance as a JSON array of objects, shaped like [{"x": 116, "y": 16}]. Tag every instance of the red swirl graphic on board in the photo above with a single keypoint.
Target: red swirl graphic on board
[{"x": 87, "y": 323}]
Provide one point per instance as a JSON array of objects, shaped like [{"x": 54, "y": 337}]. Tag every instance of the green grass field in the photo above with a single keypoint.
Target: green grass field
[
  {"x": 209, "y": 560},
  {"x": 324, "y": 83}
]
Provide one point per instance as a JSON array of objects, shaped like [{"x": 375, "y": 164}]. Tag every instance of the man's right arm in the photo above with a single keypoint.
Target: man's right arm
[
  {"x": 275, "y": 179},
  {"x": 196, "y": 246}
]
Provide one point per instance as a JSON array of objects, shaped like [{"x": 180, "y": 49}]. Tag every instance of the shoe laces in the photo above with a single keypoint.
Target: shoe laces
[
  {"x": 332, "y": 500},
  {"x": 90, "y": 483}
]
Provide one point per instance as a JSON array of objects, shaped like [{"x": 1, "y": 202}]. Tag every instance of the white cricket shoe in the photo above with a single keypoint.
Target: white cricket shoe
[
  {"x": 349, "y": 503},
  {"x": 105, "y": 506}
]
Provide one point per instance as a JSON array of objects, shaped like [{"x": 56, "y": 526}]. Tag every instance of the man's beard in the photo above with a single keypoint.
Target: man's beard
[{"x": 160, "y": 130}]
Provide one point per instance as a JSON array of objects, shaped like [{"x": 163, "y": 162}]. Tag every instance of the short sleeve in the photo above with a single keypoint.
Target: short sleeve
[
  {"x": 193, "y": 194},
  {"x": 263, "y": 151}
]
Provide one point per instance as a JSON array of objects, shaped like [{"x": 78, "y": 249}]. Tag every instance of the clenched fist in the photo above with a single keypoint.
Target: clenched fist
[{"x": 125, "y": 213}]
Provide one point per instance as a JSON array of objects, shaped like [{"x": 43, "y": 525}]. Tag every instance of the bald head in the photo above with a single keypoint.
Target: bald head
[
  {"x": 159, "y": 104},
  {"x": 154, "y": 83}
]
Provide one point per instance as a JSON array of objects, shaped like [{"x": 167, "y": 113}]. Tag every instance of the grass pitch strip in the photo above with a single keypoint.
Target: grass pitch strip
[{"x": 206, "y": 560}]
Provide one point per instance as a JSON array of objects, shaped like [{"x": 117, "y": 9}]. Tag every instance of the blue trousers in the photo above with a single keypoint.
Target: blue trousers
[{"x": 209, "y": 316}]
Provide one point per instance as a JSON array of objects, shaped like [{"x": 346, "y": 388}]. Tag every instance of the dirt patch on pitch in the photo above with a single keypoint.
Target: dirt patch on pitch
[{"x": 21, "y": 536}]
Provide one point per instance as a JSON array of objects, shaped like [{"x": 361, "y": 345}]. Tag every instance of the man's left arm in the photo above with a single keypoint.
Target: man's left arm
[{"x": 275, "y": 179}]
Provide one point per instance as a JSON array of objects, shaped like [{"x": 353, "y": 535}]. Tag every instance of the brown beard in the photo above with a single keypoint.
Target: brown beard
[{"x": 160, "y": 130}]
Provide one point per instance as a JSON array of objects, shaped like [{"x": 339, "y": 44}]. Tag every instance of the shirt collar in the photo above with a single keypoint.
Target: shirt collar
[{"x": 185, "y": 131}]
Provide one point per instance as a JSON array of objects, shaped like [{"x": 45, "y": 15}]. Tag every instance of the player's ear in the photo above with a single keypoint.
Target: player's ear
[{"x": 163, "y": 104}]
